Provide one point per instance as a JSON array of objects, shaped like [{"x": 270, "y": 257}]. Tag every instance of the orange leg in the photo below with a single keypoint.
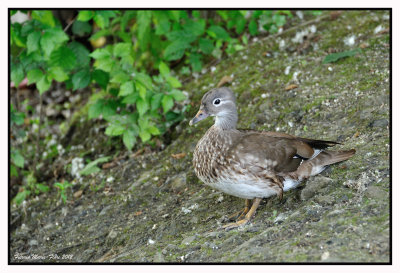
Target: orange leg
[
  {"x": 240, "y": 214},
  {"x": 247, "y": 218}
]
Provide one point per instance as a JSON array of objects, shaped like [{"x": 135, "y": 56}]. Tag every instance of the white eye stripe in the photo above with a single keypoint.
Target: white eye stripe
[{"x": 221, "y": 102}]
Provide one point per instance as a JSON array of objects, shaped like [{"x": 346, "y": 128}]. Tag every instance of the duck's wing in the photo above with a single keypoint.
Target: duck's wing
[{"x": 275, "y": 151}]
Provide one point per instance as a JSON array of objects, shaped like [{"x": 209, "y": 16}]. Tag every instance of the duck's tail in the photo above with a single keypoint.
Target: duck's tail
[{"x": 317, "y": 164}]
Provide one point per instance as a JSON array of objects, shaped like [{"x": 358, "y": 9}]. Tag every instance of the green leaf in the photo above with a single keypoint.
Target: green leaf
[
  {"x": 175, "y": 50},
  {"x": 42, "y": 188},
  {"x": 43, "y": 85},
  {"x": 223, "y": 14},
  {"x": 85, "y": 15},
  {"x": 239, "y": 47},
  {"x": 17, "y": 159},
  {"x": 331, "y": 58},
  {"x": 218, "y": 32},
  {"x": 130, "y": 99},
  {"x": 16, "y": 36},
  {"x": 174, "y": 82},
  {"x": 21, "y": 196},
  {"x": 164, "y": 69},
  {"x": 63, "y": 57},
  {"x": 92, "y": 166},
  {"x": 100, "y": 53},
  {"x": 104, "y": 60},
  {"x": 143, "y": 22},
  {"x": 143, "y": 122},
  {"x": 195, "y": 62},
  {"x": 245, "y": 39},
  {"x": 63, "y": 197},
  {"x": 163, "y": 25},
  {"x": 196, "y": 13},
  {"x": 81, "y": 79},
  {"x": 206, "y": 45},
  {"x": 142, "y": 106},
  {"x": 119, "y": 76},
  {"x": 129, "y": 139},
  {"x": 173, "y": 116},
  {"x": 253, "y": 28},
  {"x": 57, "y": 73},
  {"x": 101, "y": 78},
  {"x": 34, "y": 75},
  {"x": 177, "y": 95},
  {"x": 279, "y": 20},
  {"x": 175, "y": 15},
  {"x": 122, "y": 49},
  {"x": 256, "y": 14},
  {"x": 81, "y": 28},
  {"x": 106, "y": 64},
  {"x": 240, "y": 25},
  {"x": 144, "y": 79},
  {"x": 153, "y": 130},
  {"x": 13, "y": 171},
  {"x": 167, "y": 103},
  {"x": 182, "y": 36},
  {"x": 316, "y": 12},
  {"x": 144, "y": 135},
  {"x": 58, "y": 185},
  {"x": 100, "y": 33},
  {"x": 115, "y": 130},
  {"x": 103, "y": 107},
  {"x": 81, "y": 53},
  {"x": 142, "y": 90},
  {"x": 95, "y": 109},
  {"x": 16, "y": 117},
  {"x": 126, "y": 89},
  {"x": 17, "y": 73},
  {"x": 32, "y": 42},
  {"x": 156, "y": 101},
  {"x": 51, "y": 39},
  {"x": 126, "y": 17},
  {"x": 272, "y": 28},
  {"x": 44, "y": 16},
  {"x": 195, "y": 27},
  {"x": 102, "y": 17}
]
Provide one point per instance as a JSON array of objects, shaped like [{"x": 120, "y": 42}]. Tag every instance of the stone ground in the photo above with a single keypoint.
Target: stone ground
[{"x": 156, "y": 211}]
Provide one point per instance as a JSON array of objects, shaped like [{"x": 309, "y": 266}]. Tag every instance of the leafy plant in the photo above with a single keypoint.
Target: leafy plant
[
  {"x": 44, "y": 53},
  {"x": 334, "y": 57},
  {"x": 138, "y": 91},
  {"x": 17, "y": 160},
  {"x": 62, "y": 189},
  {"x": 92, "y": 166},
  {"x": 32, "y": 187}
]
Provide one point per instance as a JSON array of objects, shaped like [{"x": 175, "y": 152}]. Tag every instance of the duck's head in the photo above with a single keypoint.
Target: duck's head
[{"x": 220, "y": 103}]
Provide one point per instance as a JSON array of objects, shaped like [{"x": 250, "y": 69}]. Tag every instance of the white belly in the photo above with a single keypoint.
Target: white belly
[{"x": 246, "y": 190}]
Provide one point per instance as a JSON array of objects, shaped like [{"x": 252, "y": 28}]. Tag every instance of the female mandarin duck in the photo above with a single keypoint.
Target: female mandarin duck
[{"x": 253, "y": 164}]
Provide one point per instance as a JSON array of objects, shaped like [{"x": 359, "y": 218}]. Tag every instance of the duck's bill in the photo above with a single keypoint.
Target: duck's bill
[{"x": 199, "y": 116}]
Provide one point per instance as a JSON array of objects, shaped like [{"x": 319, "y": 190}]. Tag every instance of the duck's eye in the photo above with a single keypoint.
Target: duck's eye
[{"x": 216, "y": 101}]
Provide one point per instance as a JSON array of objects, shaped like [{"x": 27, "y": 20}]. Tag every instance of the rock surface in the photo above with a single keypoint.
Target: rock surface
[{"x": 156, "y": 210}]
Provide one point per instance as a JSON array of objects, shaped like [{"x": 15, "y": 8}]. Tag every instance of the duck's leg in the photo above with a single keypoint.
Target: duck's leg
[
  {"x": 241, "y": 213},
  {"x": 247, "y": 218}
]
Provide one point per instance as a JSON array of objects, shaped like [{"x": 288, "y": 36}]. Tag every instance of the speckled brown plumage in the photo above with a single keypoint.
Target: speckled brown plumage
[{"x": 252, "y": 164}]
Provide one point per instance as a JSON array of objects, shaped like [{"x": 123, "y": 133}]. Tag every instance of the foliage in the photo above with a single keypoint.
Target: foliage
[
  {"x": 135, "y": 101},
  {"x": 17, "y": 160},
  {"x": 62, "y": 189},
  {"x": 131, "y": 61},
  {"x": 32, "y": 187},
  {"x": 92, "y": 166},
  {"x": 331, "y": 58}
]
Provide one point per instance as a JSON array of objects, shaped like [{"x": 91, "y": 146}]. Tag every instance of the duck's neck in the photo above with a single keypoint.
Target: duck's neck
[{"x": 227, "y": 120}]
